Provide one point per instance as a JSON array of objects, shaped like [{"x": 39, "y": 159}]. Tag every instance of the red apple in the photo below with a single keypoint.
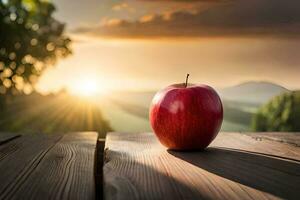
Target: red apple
[{"x": 186, "y": 116}]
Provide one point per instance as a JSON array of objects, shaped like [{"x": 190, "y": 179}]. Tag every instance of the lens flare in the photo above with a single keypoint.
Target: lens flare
[{"x": 86, "y": 87}]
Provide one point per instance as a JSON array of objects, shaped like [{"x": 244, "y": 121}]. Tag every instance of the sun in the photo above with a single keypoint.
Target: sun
[{"x": 86, "y": 87}]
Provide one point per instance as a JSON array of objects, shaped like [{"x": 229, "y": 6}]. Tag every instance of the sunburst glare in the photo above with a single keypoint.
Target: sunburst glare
[{"x": 86, "y": 87}]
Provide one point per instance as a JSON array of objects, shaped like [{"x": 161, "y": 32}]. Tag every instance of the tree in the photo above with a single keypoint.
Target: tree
[
  {"x": 30, "y": 41},
  {"x": 282, "y": 113}
]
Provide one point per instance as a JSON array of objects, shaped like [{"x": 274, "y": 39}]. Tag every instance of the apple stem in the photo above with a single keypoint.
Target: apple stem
[{"x": 186, "y": 80}]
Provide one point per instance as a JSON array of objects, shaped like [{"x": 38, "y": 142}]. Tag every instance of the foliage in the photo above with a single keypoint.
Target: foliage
[
  {"x": 57, "y": 113},
  {"x": 282, "y": 113},
  {"x": 30, "y": 41}
]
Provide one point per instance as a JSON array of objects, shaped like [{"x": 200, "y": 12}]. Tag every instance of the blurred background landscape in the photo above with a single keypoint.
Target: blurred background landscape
[{"x": 61, "y": 71}]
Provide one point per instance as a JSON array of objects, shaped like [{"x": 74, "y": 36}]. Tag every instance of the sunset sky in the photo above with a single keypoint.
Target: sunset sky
[{"x": 148, "y": 44}]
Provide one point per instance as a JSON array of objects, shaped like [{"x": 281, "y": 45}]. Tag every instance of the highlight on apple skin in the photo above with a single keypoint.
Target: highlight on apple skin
[{"x": 186, "y": 116}]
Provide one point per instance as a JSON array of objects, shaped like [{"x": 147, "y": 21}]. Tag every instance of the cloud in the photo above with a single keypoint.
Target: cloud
[
  {"x": 147, "y": 18},
  {"x": 234, "y": 18},
  {"x": 120, "y": 6}
]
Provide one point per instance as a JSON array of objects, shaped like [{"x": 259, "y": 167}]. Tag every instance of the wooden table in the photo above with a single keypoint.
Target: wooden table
[
  {"x": 136, "y": 166},
  {"x": 235, "y": 166},
  {"x": 48, "y": 167}
]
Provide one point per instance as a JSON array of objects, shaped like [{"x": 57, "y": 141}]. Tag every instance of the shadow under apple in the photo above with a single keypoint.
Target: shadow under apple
[{"x": 279, "y": 177}]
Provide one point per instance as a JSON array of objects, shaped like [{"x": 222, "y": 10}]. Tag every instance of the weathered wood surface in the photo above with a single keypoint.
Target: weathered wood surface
[
  {"x": 259, "y": 143},
  {"x": 235, "y": 166},
  {"x": 289, "y": 138},
  {"x": 48, "y": 167},
  {"x": 6, "y": 137}
]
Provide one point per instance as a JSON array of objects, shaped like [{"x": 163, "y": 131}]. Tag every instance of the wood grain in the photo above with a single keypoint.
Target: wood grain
[
  {"x": 261, "y": 143},
  {"x": 289, "y": 138},
  {"x": 48, "y": 167},
  {"x": 235, "y": 166},
  {"x": 7, "y": 137}
]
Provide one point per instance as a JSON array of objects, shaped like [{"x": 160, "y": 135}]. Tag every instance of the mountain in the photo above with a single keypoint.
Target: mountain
[{"x": 252, "y": 92}]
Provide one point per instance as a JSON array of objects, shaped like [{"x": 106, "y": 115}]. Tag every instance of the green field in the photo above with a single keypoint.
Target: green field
[
  {"x": 119, "y": 111},
  {"x": 51, "y": 114}
]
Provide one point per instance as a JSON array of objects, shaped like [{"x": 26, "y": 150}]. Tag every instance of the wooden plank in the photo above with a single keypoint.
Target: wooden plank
[
  {"x": 49, "y": 167},
  {"x": 259, "y": 143},
  {"x": 137, "y": 166},
  {"x": 7, "y": 137},
  {"x": 289, "y": 138},
  {"x": 19, "y": 157}
]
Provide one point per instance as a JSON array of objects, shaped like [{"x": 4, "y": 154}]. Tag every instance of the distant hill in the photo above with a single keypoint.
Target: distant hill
[
  {"x": 240, "y": 103},
  {"x": 252, "y": 92}
]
